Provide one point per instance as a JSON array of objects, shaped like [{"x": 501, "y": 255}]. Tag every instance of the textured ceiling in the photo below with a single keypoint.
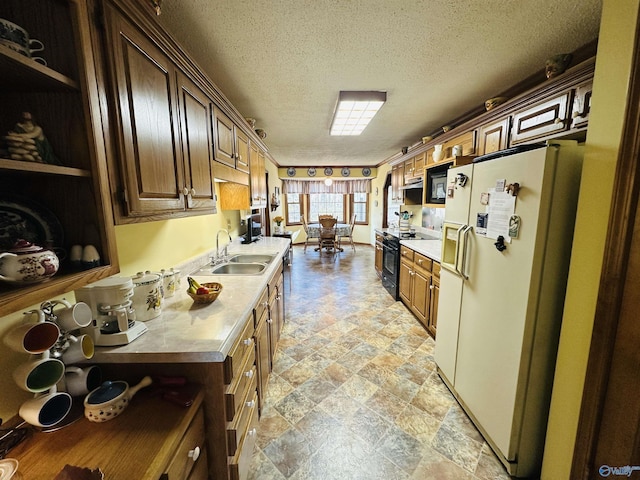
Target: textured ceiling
[{"x": 284, "y": 62}]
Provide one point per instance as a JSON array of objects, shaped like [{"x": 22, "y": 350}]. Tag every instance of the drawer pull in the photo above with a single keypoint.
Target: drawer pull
[
  {"x": 248, "y": 341},
  {"x": 248, "y": 374},
  {"x": 251, "y": 404},
  {"x": 194, "y": 454}
]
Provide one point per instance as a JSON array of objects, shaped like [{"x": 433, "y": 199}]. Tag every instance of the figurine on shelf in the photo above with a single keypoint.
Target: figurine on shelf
[{"x": 27, "y": 142}]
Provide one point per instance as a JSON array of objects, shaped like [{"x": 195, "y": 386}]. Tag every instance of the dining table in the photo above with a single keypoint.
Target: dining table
[{"x": 342, "y": 230}]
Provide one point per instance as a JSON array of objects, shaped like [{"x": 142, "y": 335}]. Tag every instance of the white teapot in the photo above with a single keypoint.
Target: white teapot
[{"x": 27, "y": 263}]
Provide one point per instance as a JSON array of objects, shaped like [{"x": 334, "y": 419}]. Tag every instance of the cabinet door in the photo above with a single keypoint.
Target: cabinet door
[
  {"x": 224, "y": 145},
  {"x": 262, "y": 179},
  {"x": 242, "y": 154},
  {"x": 546, "y": 118},
  {"x": 420, "y": 295},
  {"x": 404, "y": 286},
  {"x": 432, "y": 322},
  {"x": 378, "y": 257},
  {"x": 148, "y": 137},
  {"x": 581, "y": 105},
  {"x": 196, "y": 146},
  {"x": 262, "y": 356},
  {"x": 493, "y": 137}
]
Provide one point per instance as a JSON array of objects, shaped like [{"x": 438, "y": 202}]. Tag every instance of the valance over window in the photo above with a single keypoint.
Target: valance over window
[{"x": 318, "y": 186}]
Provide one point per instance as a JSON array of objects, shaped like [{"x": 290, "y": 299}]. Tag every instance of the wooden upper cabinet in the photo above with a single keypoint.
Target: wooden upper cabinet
[
  {"x": 197, "y": 153},
  {"x": 224, "y": 145},
  {"x": 581, "y": 105},
  {"x": 493, "y": 137},
  {"x": 545, "y": 118},
  {"x": 242, "y": 151},
  {"x": 148, "y": 141},
  {"x": 257, "y": 177}
]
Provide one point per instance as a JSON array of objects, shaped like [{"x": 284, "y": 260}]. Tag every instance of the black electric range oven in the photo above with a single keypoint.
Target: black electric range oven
[{"x": 391, "y": 260}]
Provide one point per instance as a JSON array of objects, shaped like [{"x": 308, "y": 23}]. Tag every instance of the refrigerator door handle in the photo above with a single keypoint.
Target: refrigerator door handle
[
  {"x": 456, "y": 261},
  {"x": 465, "y": 235}
]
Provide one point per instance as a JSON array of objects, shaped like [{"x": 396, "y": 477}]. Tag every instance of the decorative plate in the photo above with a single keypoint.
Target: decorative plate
[
  {"x": 21, "y": 217},
  {"x": 328, "y": 171},
  {"x": 366, "y": 171},
  {"x": 345, "y": 172},
  {"x": 291, "y": 172},
  {"x": 311, "y": 172}
]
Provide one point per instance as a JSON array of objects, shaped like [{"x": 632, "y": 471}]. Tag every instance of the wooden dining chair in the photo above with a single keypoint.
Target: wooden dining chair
[
  {"x": 328, "y": 235},
  {"x": 310, "y": 236},
  {"x": 350, "y": 234}
]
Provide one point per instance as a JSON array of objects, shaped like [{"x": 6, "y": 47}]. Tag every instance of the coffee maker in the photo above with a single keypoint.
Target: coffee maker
[{"x": 114, "y": 318}]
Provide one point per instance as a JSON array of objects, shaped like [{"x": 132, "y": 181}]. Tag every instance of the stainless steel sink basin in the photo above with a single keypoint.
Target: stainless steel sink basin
[
  {"x": 234, "y": 268},
  {"x": 251, "y": 258}
]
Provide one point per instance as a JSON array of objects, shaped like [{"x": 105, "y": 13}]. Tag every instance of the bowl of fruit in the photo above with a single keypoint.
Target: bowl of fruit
[{"x": 203, "y": 292}]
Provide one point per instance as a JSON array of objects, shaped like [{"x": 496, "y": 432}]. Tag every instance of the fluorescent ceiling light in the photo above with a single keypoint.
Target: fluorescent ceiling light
[{"x": 355, "y": 110}]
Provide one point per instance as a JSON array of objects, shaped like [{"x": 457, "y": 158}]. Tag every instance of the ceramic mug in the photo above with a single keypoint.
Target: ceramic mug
[
  {"x": 168, "y": 282},
  {"x": 80, "y": 348},
  {"x": 33, "y": 338},
  {"x": 46, "y": 409},
  {"x": 80, "y": 381},
  {"x": 38, "y": 374},
  {"x": 72, "y": 317},
  {"x": 12, "y": 33}
]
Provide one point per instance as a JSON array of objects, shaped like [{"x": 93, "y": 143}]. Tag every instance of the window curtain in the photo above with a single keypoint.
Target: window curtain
[{"x": 318, "y": 186}]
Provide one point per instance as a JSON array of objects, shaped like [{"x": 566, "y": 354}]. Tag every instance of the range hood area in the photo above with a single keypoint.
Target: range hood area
[{"x": 415, "y": 185}]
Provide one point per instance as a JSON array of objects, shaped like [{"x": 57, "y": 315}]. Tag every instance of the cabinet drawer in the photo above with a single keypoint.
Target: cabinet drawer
[
  {"x": 240, "y": 462},
  {"x": 238, "y": 389},
  {"x": 201, "y": 468},
  {"x": 236, "y": 429},
  {"x": 406, "y": 253},
  {"x": 238, "y": 353},
  {"x": 541, "y": 120},
  {"x": 183, "y": 460},
  {"x": 422, "y": 262},
  {"x": 260, "y": 307},
  {"x": 436, "y": 269}
]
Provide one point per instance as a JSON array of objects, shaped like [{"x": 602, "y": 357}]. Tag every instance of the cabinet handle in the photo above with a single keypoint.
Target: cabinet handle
[
  {"x": 248, "y": 374},
  {"x": 420, "y": 262},
  {"x": 248, "y": 341},
  {"x": 270, "y": 321},
  {"x": 278, "y": 297},
  {"x": 431, "y": 287},
  {"x": 192, "y": 192},
  {"x": 558, "y": 121},
  {"x": 185, "y": 191},
  {"x": 251, "y": 404},
  {"x": 251, "y": 432},
  {"x": 265, "y": 304},
  {"x": 194, "y": 454}
]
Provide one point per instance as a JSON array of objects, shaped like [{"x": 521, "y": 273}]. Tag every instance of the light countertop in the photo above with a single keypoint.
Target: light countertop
[
  {"x": 429, "y": 248},
  {"x": 187, "y": 332}
]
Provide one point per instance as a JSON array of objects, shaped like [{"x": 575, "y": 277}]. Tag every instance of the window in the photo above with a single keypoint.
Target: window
[
  {"x": 294, "y": 208},
  {"x": 359, "y": 205},
  {"x": 337, "y": 204},
  {"x": 326, "y": 203}
]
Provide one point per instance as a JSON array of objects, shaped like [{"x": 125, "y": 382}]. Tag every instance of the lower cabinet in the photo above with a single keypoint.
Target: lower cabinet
[
  {"x": 150, "y": 439},
  {"x": 378, "y": 257},
  {"x": 419, "y": 286}
]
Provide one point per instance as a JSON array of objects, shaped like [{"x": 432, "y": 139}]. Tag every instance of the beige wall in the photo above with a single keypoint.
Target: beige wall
[{"x": 610, "y": 87}]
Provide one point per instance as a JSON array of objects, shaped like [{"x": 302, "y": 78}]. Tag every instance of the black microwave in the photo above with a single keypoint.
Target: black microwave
[{"x": 436, "y": 184}]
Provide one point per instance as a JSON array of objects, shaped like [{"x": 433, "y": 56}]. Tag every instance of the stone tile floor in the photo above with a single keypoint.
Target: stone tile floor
[{"x": 354, "y": 393}]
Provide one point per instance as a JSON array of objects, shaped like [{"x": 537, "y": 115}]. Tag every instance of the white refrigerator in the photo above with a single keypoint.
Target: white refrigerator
[{"x": 501, "y": 300}]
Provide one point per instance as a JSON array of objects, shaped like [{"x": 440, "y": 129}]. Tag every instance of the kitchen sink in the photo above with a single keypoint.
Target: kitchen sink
[
  {"x": 231, "y": 268},
  {"x": 251, "y": 258}
]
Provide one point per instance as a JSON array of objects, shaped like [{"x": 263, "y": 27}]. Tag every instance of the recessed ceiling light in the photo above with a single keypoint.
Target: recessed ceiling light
[{"x": 355, "y": 110}]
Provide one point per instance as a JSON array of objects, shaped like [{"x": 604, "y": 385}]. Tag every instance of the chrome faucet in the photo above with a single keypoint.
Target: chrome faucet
[{"x": 217, "y": 258}]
